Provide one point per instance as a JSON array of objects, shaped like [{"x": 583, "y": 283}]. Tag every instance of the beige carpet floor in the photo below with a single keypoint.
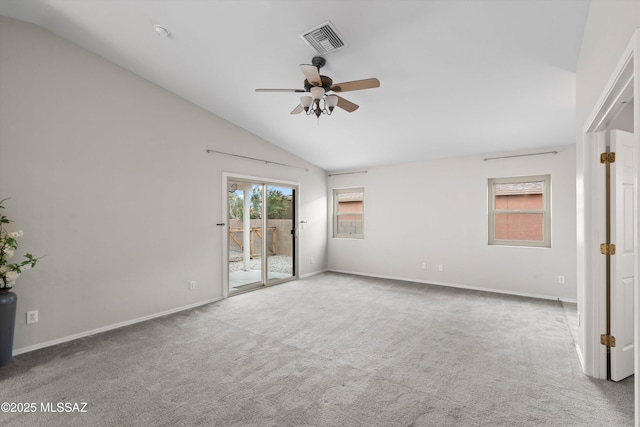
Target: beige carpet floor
[{"x": 329, "y": 350}]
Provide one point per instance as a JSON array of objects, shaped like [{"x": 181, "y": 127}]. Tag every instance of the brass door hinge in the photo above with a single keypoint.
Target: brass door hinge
[
  {"x": 608, "y": 340},
  {"x": 608, "y": 249},
  {"x": 607, "y": 158}
]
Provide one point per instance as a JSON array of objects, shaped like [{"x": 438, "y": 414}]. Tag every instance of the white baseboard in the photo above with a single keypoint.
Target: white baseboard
[
  {"x": 313, "y": 273},
  {"x": 454, "y": 285},
  {"x": 111, "y": 327}
]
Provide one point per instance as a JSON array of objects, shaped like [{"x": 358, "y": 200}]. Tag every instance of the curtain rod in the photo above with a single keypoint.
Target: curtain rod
[
  {"x": 258, "y": 160},
  {"x": 519, "y": 155},
  {"x": 346, "y": 173}
]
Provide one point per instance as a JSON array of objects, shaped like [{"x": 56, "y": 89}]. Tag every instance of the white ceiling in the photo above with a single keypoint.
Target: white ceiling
[{"x": 458, "y": 77}]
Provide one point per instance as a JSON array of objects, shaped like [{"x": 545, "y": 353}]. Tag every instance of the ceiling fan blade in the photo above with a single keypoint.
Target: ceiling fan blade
[
  {"x": 347, "y": 105},
  {"x": 356, "y": 85},
  {"x": 312, "y": 74},
  {"x": 279, "y": 90},
  {"x": 299, "y": 109}
]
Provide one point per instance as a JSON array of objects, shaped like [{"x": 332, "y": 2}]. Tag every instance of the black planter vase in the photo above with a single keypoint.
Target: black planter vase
[{"x": 8, "y": 301}]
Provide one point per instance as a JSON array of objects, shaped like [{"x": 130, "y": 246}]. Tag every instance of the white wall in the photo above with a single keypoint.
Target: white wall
[
  {"x": 436, "y": 212},
  {"x": 608, "y": 31},
  {"x": 109, "y": 178}
]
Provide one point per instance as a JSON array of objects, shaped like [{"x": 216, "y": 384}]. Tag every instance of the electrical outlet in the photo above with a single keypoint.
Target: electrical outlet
[
  {"x": 192, "y": 285},
  {"x": 560, "y": 279},
  {"x": 440, "y": 267},
  {"x": 311, "y": 260},
  {"x": 32, "y": 317},
  {"x": 423, "y": 266}
]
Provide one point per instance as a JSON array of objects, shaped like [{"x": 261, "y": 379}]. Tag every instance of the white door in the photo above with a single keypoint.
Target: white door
[{"x": 623, "y": 177}]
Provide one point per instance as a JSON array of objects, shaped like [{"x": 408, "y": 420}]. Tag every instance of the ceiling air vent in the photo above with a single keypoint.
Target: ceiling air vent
[{"x": 323, "y": 38}]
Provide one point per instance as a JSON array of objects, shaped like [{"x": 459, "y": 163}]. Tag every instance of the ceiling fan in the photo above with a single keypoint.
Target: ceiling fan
[{"x": 318, "y": 86}]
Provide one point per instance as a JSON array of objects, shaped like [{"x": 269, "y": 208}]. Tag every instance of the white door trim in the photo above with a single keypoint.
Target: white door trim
[{"x": 224, "y": 210}]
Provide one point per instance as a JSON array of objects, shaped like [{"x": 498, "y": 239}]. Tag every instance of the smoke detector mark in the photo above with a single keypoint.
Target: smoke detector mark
[{"x": 324, "y": 38}]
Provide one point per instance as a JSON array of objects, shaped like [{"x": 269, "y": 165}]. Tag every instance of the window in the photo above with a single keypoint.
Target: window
[
  {"x": 348, "y": 213},
  {"x": 520, "y": 211}
]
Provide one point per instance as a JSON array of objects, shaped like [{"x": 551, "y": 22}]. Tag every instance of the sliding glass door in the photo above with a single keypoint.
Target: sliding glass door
[
  {"x": 261, "y": 234},
  {"x": 281, "y": 229}
]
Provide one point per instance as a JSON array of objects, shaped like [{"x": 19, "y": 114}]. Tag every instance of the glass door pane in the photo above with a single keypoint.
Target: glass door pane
[
  {"x": 260, "y": 224},
  {"x": 280, "y": 241},
  {"x": 245, "y": 212}
]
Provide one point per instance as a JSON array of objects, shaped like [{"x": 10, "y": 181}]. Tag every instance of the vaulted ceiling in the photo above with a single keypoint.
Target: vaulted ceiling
[{"x": 458, "y": 77}]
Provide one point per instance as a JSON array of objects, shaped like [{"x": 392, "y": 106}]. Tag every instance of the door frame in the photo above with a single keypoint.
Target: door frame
[
  {"x": 623, "y": 85},
  {"x": 225, "y": 209}
]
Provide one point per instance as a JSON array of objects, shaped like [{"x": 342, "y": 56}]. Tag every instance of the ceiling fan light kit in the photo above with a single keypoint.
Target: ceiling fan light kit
[
  {"x": 311, "y": 104},
  {"x": 318, "y": 101}
]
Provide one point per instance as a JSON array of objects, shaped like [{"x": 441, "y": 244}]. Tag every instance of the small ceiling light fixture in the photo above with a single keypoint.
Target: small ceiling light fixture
[{"x": 161, "y": 31}]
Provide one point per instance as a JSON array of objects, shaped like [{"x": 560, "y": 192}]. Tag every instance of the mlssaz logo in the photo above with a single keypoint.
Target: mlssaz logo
[{"x": 80, "y": 407}]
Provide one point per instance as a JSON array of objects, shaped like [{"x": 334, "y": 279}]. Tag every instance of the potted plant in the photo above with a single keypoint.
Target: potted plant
[{"x": 9, "y": 272}]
